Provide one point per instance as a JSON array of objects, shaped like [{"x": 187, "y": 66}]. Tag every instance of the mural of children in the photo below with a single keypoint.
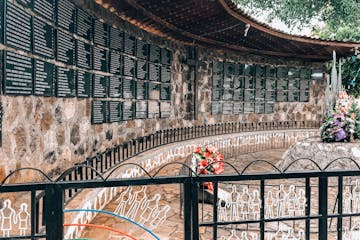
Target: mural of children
[
  {"x": 124, "y": 200},
  {"x": 301, "y": 203},
  {"x": 148, "y": 208},
  {"x": 234, "y": 205},
  {"x": 159, "y": 217},
  {"x": 233, "y": 235},
  {"x": 255, "y": 205},
  {"x": 291, "y": 235},
  {"x": 347, "y": 196},
  {"x": 23, "y": 217},
  {"x": 222, "y": 210},
  {"x": 138, "y": 198},
  {"x": 269, "y": 205},
  {"x": 280, "y": 202},
  {"x": 356, "y": 197},
  {"x": 245, "y": 199},
  {"x": 291, "y": 200},
  {"x": 244, "y": 236},
  {"x": 301, "y": 235},
  {"x": 8, "y": 218}
]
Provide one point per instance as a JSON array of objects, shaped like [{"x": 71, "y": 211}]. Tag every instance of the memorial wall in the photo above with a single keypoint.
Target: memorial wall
[
  {"x": 250, "y": 88},
  {"x": 78, "y": 55},
  {"x": 76, "y": 79}
]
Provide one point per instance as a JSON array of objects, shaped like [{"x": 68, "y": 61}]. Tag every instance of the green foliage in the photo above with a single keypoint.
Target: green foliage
[
  {"x": 299, "y": 13},
  {"x": 341, "y": 20},
  {"x": 350, "y": 32},
  {"x": 351, "y": 76}
]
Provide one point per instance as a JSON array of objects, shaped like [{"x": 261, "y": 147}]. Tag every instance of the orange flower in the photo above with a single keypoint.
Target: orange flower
[
  {"x": 219, "y": 157},
  {"x": 204, "y": 162},
  {"x": 208, "y": 149},
  {"x": 208, "y": 155},
  {"x": 198, "y": 150}
]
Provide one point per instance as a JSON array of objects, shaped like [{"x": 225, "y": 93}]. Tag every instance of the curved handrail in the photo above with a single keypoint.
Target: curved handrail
[
  {"x": 126, "y": 164},
  {"x": 76, "y": 167},
  {"x": 26, "y": 168},
  {"x": 174, "y": 163},
  {"x": 262, "y": 161},
  {"x": 345, "y": 158},
  {"x": 299, "y": 159}
]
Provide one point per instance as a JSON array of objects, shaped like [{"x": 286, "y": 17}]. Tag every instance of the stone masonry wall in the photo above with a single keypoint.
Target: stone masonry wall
[
  {"x": 53, "y": 134},
  {"x": 283, "y": 111}
]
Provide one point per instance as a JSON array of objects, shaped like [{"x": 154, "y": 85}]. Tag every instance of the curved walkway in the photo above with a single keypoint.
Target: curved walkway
[
  {"x": 172, "y": 228},
  {"x": 230, "y": 145}
]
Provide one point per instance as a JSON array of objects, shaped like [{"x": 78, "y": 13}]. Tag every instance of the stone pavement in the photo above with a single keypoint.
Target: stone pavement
[{"x": 172, "y": 228}]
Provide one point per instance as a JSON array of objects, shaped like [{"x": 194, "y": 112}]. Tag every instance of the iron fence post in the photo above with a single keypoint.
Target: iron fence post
[
  {"x": 262, "y": 209},
  {"x": 323, "y": 207},
  {"x": 187, "y": 210},
  {"x": 195, "y": 208},
  {"x": 340, "y": 207},
  {"x": 54, "y": 200},
  {"x": 215, "y": 208},
  {"x": 308, "y": 208}
]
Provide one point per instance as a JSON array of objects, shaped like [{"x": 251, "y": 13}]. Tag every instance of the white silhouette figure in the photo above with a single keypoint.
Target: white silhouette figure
[
  {"x": 301, "y": 203},
  {"x": 222, "y": 210},
  {"x": 148, "y": 208},
  {"x": 280, "y": 202},
  {"x": 138, "y": 198},
  {"x": 347, "y": 196},
  {"x": 280, "y": 231},
  {"x": 124, "y": 200},
  {"x": 301, "y": 235},
  {"x": 346, "y": 235},
  {"x": 291, "y": 200},
  {"x": 233, "y": 235},
  {"x": 245, "y": 199},
  {"x": 23, "y": 217},
  {"x": 233, "y": 204},
  {"x": 356, "y": 196},
  {"x": 269, "y": 205},
  {"x": 159, "y": 217},
  {"x": 8, "y": 218},
  {"x": 254, "y": 236},
  {"x": 355, "y": 232},
  {"x": 255, "y": 204},
  {"x": 244, "y": 236},
  {"x": 290, "y": 235},
  {"x": 270, "y": 236}
]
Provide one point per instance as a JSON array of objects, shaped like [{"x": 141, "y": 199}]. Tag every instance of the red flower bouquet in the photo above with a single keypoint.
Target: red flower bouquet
[{"x": 208, "y": 161}]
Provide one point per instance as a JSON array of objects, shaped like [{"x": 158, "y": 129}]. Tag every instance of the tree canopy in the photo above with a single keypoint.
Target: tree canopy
[
  {"x": 340, "y": 21},
  {"x": 341, "y": 17}
]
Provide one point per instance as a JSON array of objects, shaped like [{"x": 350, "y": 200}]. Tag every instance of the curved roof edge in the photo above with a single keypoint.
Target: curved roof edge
[
  {"x": 220, "y": 24},
  {"x": 241, "y": 15}
]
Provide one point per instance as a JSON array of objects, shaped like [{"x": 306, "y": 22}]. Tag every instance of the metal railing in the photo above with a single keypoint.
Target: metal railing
[
  {"x": 92, "y": 169},
  {"x": 320, "y": 188},
  {"x": 103, "y": 161}
]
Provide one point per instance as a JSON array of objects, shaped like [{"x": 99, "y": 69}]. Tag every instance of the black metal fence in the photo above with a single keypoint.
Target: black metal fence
[
  {"x": 318, "y": 209},
  {"x": 47, "y": 199},
  {"x": 118, "y": 154}
]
